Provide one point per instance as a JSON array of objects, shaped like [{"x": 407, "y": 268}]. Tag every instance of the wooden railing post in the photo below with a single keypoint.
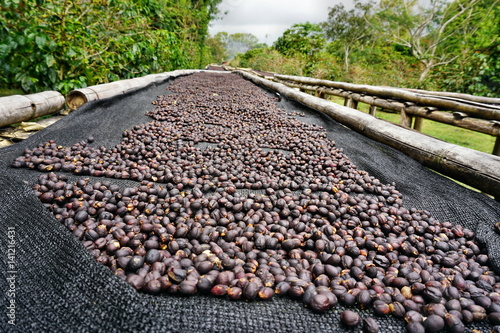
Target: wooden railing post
[
  {"x": 469, "y": 166},
  {"x": 496, "y": 148},
  {"x": 417, "y": 124},
  {"x": 350, "y": 102},
  {"x": 405, "y": 119},
  {"x": 320, "y": 92},
  {"x": 354, "y": 104},
  {"x": 373, "y": 110}
]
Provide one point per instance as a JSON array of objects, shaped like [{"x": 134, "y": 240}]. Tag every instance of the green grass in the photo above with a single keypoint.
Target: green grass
[{"x": 452, "y": 134}]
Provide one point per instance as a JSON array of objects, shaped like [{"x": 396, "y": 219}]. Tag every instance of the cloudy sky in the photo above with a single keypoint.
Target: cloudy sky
[{"x": 268, "y": 19}]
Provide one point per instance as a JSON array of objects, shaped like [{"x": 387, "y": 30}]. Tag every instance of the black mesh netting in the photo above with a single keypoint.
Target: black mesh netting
[{"x": 51, "y": 283}]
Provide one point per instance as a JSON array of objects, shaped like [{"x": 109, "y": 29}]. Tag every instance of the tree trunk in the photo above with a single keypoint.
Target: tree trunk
[
  {"x": 346, "y": 58},
  {"x": 425, "y": 72}
]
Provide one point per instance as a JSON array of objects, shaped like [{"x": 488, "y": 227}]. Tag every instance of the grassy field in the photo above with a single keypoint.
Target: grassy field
[{"x": 448, "y": 133}]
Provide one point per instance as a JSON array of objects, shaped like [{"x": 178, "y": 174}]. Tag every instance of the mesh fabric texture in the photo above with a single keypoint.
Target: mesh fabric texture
[{"x": 59, "y": 287}]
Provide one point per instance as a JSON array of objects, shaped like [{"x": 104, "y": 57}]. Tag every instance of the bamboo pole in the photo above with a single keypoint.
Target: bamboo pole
[
  {"x": 479, "y": 110},
  {"x": 354, "y": 100},
  {"x": 496, "y": 148},
  {"x": 78, "y": 97},
  {"x": 320, "y": 92},
  {"x": 463, "y": 121},
  {"x": 405, "y": 119},
  {"x": 477, "y": 169},
  {"x": 417, "y": 124},
  {"x": 18, "y": 108},
  {"x": 467, "y": 97},
  {"x": 473, "y": 124}
]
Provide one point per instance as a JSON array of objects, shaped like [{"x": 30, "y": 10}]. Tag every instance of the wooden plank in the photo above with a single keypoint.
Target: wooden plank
[
  {"x": 49, "y": 121},
  {"x": 15, "y": 134},
  {"x": 477, "y": 169},
  {"x": 25, "y": 130}
]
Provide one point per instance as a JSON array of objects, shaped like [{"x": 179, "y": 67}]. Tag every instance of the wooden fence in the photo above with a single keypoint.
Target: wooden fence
[{"x": 479, "y": 114}]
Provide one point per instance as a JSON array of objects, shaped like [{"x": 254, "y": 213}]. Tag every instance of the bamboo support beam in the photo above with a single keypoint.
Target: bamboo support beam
[
  {"x": 451, "y": 104},
  {"x": 405, "y": 119},
  {"x": 459, "y": 119},
  {"x": 467, "y": 97},
  {"x": 18, "y": 108},
  {"x": 320, "y": 93},
  {"x": 78, "y": 97},
  {"x": 473, "y": 124}
]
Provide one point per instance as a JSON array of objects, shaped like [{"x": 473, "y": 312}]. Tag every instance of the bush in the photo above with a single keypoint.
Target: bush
[{"x": 63, "y": 45}]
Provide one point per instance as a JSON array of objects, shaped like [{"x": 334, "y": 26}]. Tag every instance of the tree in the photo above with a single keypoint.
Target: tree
[
  {"x": 240, "y": 43},
  {"x": 477, "y": 45},
  {"x": 63, "y": 45},
  {"x": 348, "y": 28},
  {"x": 269, "y": 59},
  {"x": 217, "y": 49},
  {"x": 422, "y": 26},
  {"x": 304, "y": 38},
  {"x": 236, "y": 43}
]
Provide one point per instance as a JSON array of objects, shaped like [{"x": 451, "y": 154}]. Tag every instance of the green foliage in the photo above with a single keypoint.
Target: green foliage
[
  {"x": 302, "y": 42},
  {"x": 269, "y": 59},
  {"x": 477, "y": 68},
  {"x": 305, "y": 39},
  {"x": 426, "y": 27},
  {"x": 348, "y": 28},
  {"x": 236, "y": 43},
  {"x": 217, "y": 50},
  {"x": 9, "y": 92},
  {"x": 326, "y": 67},
  {"x": 478, "y": 75},
  {"x": 382, "y": 63},
  {"x": 63, "y": 45},
  {"x": 437, "y": 45}
]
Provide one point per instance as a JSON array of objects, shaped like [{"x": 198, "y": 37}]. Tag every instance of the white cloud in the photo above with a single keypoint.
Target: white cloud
[{"x": 268, "y": 19}]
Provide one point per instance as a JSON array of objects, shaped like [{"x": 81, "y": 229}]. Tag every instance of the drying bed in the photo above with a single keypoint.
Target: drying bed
[{"x": 247, "y": 203}]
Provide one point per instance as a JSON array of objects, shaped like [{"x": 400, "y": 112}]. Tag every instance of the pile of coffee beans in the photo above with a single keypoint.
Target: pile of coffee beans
[{"x": 237, "y": 198}]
